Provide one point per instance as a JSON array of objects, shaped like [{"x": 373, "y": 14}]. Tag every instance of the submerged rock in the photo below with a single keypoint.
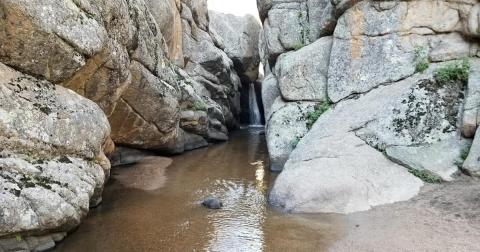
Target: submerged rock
[
  {"x": 212, "y": 203},
  {"x": 148, "y": 174},
  {"x": 127, "y": 156}
]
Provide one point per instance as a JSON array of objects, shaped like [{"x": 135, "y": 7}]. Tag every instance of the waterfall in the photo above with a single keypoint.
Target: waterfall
[{"x": 255, "y": 118}]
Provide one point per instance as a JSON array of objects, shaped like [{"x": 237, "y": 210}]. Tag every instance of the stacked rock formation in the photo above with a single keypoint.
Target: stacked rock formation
[
  {"x": 378, "y": 66},
  {"x": 79, "y": 76}
]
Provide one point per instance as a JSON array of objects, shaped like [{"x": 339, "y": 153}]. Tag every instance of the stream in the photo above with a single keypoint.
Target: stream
[{"x": 159, "y": 210}]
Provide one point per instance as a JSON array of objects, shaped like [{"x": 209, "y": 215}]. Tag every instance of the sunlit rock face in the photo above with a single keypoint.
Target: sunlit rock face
[
  {"x": 388, "y": 110},
  {"x": 144, "y": 63}
]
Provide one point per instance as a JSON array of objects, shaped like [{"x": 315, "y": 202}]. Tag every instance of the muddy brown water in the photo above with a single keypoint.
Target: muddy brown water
[{"x": 161, "y": 211}]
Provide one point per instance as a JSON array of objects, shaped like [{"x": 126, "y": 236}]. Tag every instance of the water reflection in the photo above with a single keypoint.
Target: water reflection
[
  {"x": 171, "y": 218},
  {"x": 239, "y": 224}
]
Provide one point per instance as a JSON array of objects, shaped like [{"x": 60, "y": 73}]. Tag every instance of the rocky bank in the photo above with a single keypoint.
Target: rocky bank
[
  {"x": 365, "y": 99},
  {"x": 78, "y": 77}
]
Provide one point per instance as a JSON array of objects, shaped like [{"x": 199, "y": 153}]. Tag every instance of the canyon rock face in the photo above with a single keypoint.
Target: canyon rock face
[
  {"x": 239, "y": 37},
  {"x": 52, "y": 161},
  {"x": 390, "y": 82},
  {"x": 147, "y": 64},
  {"x": 153, "y": 76}
]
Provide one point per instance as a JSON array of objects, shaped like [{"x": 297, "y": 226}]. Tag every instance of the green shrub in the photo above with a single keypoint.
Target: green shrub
[
  {"x": 313, "y": 116},
  {"x": 457, "y": 71},
  {"x": 421, "y": 60},
  {"x": 421, "y": 67},
  {"x": 426, "y": 176}
]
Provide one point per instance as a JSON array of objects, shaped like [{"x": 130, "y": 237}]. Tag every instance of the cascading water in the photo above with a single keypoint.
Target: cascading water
[{"x": 255, "y": 118}]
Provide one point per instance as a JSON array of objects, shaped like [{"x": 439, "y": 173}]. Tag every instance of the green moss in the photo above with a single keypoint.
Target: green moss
[
  {"x": 18, "y": 237},
  {"x": 463, "y": 156},
  {"x": 304, "y": 31},
  {"x": 300, "y": 15},
  {"x": 297, "y": 46},
  {"x": 426, "y": 176},
  {"x": 296, "y": 141},
  {"x": 421, "y": 67},
  {"x": 198, "y": 106},
  {"x": 457, "y": 71},
  {"x": 305, "y": 34},
  {"x": 313, "y": 116},
  {"x": 421, "y": 60}
]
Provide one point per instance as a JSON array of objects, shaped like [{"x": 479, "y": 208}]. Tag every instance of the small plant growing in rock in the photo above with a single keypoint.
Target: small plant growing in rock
[
  {"x": 300, "y": 15},
  {"x": 296, "y": 141},
  {"x": 421, "y": 60},
  {"x": 457, "y": 71},
  {"x": 18, "y": 237},
  {"x": 421, "y": 67},
  {"x": 305, "y": 34},
  {"x": 199, "y": 106},
  {"x": 463, "y": 156},
  {"x": 425, "y": 176},
  {"x": 304, "y": 31},
  {"x": 313, "y": 116}
]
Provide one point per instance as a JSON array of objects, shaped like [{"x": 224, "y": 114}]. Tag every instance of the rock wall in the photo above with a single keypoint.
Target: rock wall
[
  {"x": 160, "y": 79},
  {"x": 238, "y": 37},
  {"x": 387, "y": 81},
  {"x": 154, "y": 67},
  {"x": 52, "y": 160}
]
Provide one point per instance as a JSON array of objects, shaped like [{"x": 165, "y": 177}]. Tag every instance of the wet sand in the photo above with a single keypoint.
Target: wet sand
[{"x": 442, "y": 218}]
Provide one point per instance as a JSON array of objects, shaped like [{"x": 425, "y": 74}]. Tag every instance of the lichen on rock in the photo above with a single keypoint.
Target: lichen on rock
[
  {"x": 50, "y": 172},
  {"x": 387, "y": 117}
]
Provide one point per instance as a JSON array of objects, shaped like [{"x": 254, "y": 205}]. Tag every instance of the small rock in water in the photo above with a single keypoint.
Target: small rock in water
[{"x": 212, "y": 203}]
